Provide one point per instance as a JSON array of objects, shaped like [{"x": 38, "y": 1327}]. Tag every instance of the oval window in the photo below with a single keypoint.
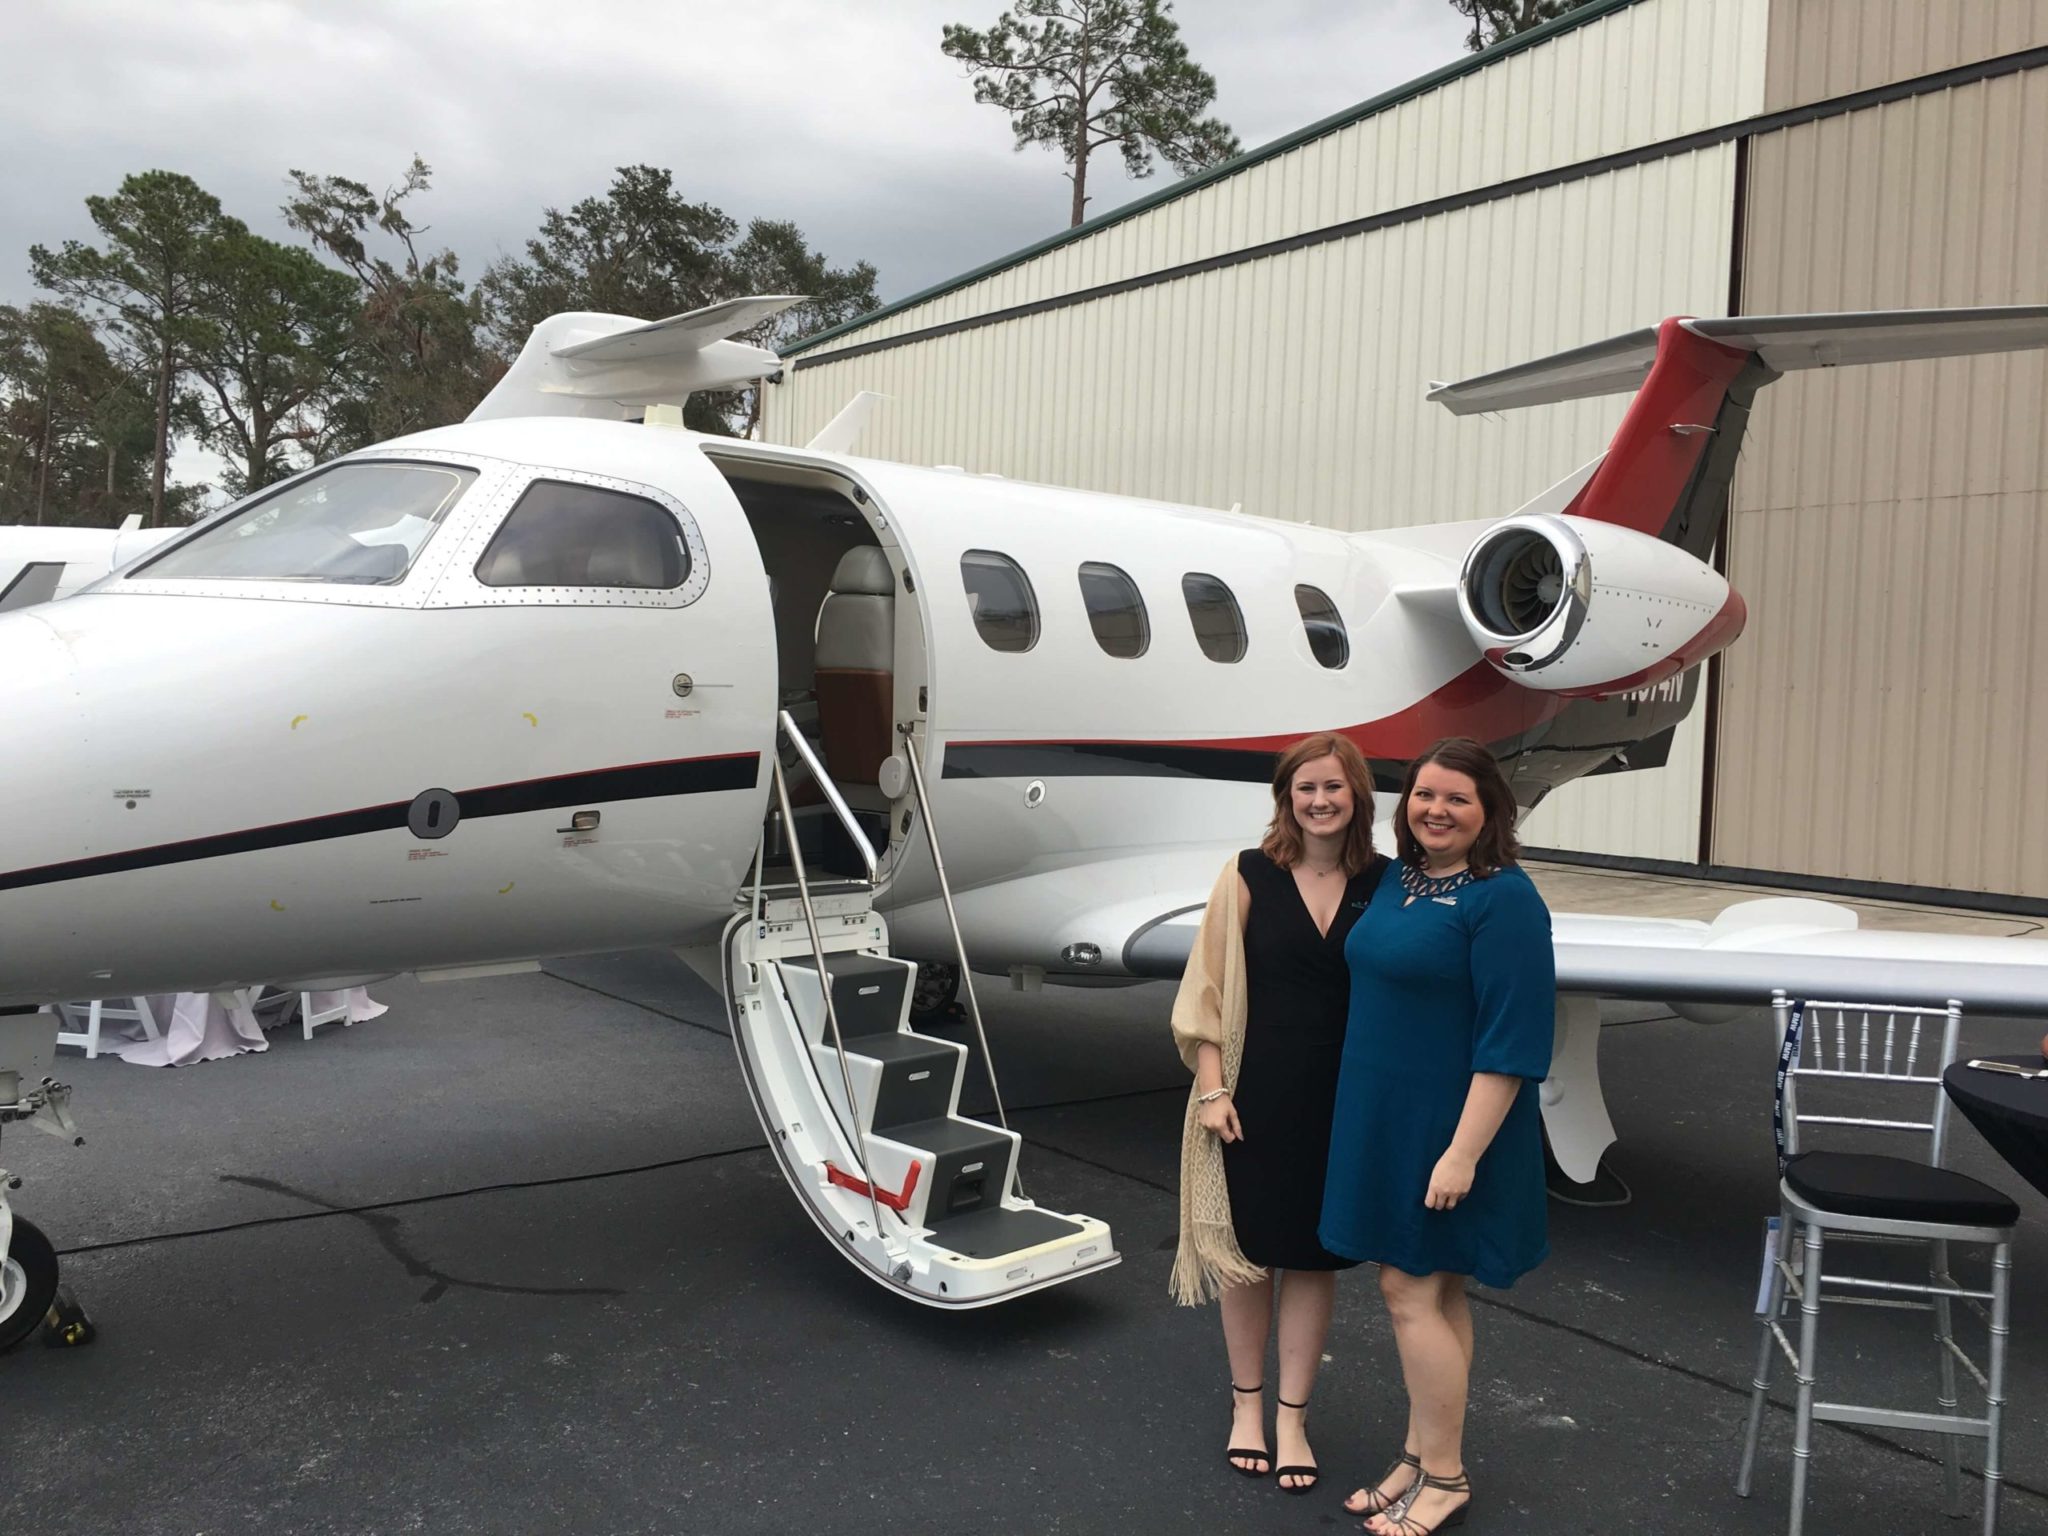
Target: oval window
[
  {"x": 1327, "y": 637},
  {"x": 1219, "y": 623},
  {"x": 999, "y": 596},
  {"x": 1116, "y": 610}
]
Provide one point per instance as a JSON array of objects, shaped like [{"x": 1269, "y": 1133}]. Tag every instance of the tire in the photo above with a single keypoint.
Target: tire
[
  {"x": 28, "y": 1284},
  {"x": 932, "y": 994}
]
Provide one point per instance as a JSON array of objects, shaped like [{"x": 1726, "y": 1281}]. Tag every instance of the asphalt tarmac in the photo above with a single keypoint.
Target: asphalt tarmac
[{"x": 512, "y": 1258}]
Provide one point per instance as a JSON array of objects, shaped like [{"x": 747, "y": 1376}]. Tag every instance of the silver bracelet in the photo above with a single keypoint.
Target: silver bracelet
[{"x": 1212, "y": 1095}]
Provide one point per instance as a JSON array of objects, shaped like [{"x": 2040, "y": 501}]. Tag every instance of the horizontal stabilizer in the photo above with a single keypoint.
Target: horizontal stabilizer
[
  {"x": 611, "y": 367},
  {"x": 1781, "y": 342},
  {"x": 679, "y": 334}
]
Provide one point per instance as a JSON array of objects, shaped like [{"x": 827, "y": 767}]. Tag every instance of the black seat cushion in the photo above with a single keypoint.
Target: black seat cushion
[{"x": 1865, "y": 1184}]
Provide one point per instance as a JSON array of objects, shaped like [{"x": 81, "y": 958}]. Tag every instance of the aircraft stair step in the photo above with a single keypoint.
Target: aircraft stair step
[
  {"x": 969, "y": 1163},
  {"x": 994, "y": 1232},
  {"x": 870, "y": 993},
  {"x": 864, "y": 1121},
  {"x": 920, "y": 1077}
]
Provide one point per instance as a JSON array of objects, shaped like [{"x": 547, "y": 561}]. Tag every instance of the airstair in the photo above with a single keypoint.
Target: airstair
[{"x": 862, "y": 1112}]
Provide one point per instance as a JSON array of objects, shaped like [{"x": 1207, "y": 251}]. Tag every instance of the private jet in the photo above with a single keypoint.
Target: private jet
[{"x": 566, "y": 677}]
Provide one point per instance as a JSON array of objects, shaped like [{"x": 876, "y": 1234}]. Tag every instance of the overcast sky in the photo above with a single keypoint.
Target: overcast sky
[{"x": 841, "y": 115}]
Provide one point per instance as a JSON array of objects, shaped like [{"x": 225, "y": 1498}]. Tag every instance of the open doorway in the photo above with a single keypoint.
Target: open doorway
[{"x": 849, "y": 643}]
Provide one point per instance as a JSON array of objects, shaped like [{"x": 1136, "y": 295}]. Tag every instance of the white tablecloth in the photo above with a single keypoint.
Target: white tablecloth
[{"x": 206, "y": 1026}]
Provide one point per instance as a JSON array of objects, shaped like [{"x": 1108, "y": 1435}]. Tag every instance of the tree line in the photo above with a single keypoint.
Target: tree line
[{"x": 179, "y": 323}]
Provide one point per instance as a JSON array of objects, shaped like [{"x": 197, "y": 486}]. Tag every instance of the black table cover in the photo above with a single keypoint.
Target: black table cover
[{"x": 2011, "y": 1112}]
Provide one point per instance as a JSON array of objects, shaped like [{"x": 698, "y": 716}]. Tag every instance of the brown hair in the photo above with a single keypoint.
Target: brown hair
[
  {"x": 1496, "y": 846},
  {"x": 1284, "y": 838}
]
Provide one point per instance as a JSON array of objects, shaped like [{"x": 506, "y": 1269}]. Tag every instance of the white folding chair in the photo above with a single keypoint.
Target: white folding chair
[
  {"x": 98, "y": 1009},
  {"x": 1834, "y": 1197},
  {"x": 312, "y": 1019}
]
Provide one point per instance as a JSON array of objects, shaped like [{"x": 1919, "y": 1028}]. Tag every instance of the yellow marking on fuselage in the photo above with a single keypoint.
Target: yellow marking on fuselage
[
  {"x": 504, "y": 888},
  {"x": 297, "y": 718},
  {"x": 530, "y": 718}
]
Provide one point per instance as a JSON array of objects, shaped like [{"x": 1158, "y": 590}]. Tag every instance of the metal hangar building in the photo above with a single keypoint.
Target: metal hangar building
[{"x": 1263, "y": 334}]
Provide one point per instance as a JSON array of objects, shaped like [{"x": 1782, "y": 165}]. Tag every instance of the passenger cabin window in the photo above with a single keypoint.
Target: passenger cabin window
[
  {"x": 1116, "y": 610},
  {"x": 565, "y": 535},
  {"x": 1327, "y": 637},
  {"x": 358, "y": 524},
  {"x": 1219, "y": 623},
  {"x": 1000, "y": 598}
]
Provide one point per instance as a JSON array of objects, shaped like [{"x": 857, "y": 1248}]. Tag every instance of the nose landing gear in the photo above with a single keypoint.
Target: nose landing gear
[
  {"x": 28, "y": 1282},
  {"x": 29, "y": 1293}
]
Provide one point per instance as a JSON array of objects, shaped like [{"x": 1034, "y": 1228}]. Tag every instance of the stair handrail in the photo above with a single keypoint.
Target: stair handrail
[
  {"x": 931, "y": 836},
  {"x": 832, "y": 798},
  {"x": 803, "y": 896}
]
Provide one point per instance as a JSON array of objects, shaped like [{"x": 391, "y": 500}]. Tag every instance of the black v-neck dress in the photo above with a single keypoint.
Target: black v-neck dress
[{"x": 1297, "y": 997}]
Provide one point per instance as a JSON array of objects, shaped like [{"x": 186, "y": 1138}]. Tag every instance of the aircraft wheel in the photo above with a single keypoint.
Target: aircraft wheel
[
  {"x": 931, "y": 999},
  {"x": 28, "y": 1283}
]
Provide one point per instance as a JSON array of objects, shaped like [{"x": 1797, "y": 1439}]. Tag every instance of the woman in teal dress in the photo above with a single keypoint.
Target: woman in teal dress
[{"x": 1436, "y": 1146}]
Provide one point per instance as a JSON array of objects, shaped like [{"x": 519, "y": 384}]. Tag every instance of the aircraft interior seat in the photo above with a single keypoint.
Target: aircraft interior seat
[{"x": 856, "y": 653}]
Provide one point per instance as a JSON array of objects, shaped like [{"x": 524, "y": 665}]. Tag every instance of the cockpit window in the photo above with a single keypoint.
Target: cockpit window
[
  {"x": 566, "y": 535},
  {"x": 357, "y": 524}
]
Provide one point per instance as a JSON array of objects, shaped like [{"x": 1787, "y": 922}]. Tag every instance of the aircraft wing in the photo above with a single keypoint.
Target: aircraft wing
[
  {"x": 1783, "y": 343},
  {"x": 1805, "y": 948},
  {"x": 1134, "y": 912}
]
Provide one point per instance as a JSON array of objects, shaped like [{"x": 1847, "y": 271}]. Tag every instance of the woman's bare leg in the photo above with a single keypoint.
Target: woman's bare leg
[
  {"x": 1458, "y": 1313},
  {"x": 1247, "y": 1322},
  {"x": 1307, "y": 1297},
  {"x": 1436, "y": 1367}
]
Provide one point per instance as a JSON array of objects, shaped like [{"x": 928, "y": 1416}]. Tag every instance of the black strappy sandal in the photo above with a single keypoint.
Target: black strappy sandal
[
  {"x": 1265, "y": 1458},
  {"x": 1379, "y": 1503},
  {"x": 1407, "y": 1525},
  {"x": 1313, "y": 1474}
]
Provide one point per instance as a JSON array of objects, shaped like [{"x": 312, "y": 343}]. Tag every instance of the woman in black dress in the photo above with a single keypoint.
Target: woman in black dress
[{"x": 1260, "y": 1019}]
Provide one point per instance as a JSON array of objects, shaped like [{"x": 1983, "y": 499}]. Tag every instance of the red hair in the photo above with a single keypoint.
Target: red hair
[{"x": 1284, "y": 839}]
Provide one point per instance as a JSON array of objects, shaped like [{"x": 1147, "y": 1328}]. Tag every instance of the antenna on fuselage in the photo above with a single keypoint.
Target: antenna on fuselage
[{"x": 838, "y": 434}]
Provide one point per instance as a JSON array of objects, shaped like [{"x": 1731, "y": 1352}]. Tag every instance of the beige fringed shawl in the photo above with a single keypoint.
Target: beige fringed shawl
[{"x": 1210, "y": 1010}]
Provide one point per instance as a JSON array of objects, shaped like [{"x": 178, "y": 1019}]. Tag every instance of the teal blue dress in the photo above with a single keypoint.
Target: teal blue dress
[{"x": 1442, "y": 987}]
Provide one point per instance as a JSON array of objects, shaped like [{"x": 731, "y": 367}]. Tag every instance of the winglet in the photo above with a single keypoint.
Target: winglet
[
  {"x": 603, "y": 366},
  {"x": 838, "y": 434}
]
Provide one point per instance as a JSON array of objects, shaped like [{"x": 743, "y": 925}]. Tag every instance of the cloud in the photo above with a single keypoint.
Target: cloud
[{"x": 844, "y": 118}]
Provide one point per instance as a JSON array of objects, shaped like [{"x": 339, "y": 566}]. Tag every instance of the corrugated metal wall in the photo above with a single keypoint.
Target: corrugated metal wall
[
  {"x": 1886, "y": 717},
  {"x": 1825, "y": 48},
  {"x": 1647, "y": 72},
  {"x": 1294, "y": 384}
]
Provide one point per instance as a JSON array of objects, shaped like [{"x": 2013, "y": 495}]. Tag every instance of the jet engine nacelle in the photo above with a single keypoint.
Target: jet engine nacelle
[{"x": 1572, "y": 606}]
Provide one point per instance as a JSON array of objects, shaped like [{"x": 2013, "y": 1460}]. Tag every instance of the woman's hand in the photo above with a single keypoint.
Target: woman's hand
[
  {"x": 1219, "y": 1118},
  {"x": 1450, "y": 1181}
]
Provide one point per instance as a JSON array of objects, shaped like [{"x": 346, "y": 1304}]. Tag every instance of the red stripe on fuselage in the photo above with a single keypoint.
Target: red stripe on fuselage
[
  {"x": 1478, "y": 702},
  {"x": 1648, "y": 465}
]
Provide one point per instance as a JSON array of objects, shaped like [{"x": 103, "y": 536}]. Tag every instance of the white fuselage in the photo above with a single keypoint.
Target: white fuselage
[{"x": 212, "y": 778}]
